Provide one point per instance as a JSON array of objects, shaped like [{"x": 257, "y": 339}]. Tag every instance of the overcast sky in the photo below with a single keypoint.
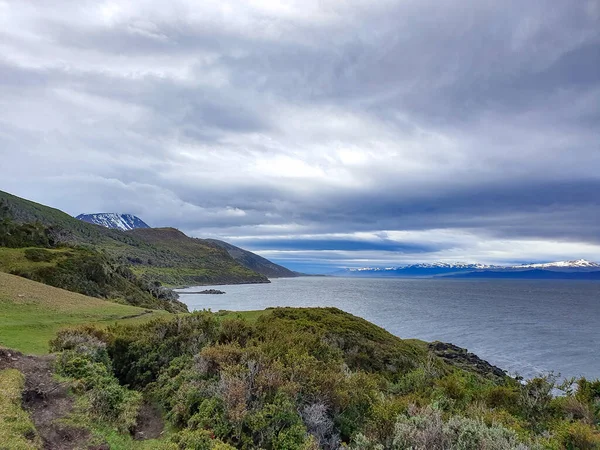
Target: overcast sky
[{"x": 319, "y": 133}]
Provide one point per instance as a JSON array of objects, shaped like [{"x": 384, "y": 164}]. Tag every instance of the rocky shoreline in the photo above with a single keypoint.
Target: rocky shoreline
[
  {"x": 464, "y": 359},
  {"x": 206, "y": 291}
]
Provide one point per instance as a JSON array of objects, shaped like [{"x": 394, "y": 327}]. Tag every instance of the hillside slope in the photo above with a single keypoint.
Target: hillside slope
[
  {"x": 169, "y": 257},
  {"x": 191, "y": 260},
  {"x": 33, "y": 312},
  {"x": 255, "y": 262}
]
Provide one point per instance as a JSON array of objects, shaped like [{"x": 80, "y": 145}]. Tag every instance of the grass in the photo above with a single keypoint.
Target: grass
[
  {"x": 31, "y": 313},
  {"x": 250, "y": 316},
  {"x": 16, "y": 427},
  {"x": 12, "y": 259}
]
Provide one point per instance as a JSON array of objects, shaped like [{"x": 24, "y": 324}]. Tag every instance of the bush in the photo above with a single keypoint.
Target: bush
[
  {"x": 426, "y": 430},
  {"x": 39, "y": 255},
  {"x": 107, "y": 400},
  {"x": 84, "y": 340},
  {"x": 577, "y": 436},
  {"x": 198, "y": 440}
]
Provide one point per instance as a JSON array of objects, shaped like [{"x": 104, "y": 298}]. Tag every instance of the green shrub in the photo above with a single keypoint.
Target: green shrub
[
  {"x": 108, "y": 401},
  {"x": 39, "y": 255},
  {"x": 577, "y": 436},
  {"x": 198, "y": 440},
  {"x": 427, "y": 430}
]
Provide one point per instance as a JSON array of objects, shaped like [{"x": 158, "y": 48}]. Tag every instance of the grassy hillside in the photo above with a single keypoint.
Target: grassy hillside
[
  {"x": 165, "y": 255},
  {"x": 189, "y": 261},
  {"x": 254, "y": 262},
  {"x": 87, "y": 272},
  {"x": 31, "y": 313}
]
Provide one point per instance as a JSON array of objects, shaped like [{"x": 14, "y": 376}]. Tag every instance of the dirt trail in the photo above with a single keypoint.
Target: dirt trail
[{"x": 46, "y": 400}]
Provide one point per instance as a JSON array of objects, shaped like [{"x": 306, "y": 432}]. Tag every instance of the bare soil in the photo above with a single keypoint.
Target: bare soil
[{"x": 46, "y": 400}]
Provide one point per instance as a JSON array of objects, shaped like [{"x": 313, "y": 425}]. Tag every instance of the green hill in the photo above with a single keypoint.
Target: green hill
[
  {"x": 165, "y": 255},
  {"x": 188, "y": 261},
  {"x": 32, "y": 313},
  {"x": 255, "y": 262}
]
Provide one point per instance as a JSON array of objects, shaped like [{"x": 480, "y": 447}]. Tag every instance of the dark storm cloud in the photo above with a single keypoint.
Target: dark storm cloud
[{"x": 343, "y": 132}]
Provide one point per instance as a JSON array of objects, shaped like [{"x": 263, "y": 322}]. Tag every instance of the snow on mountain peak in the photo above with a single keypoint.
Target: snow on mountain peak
[
  {"x": 579, "y": 263},
  {"x": 123, "y": 222}
]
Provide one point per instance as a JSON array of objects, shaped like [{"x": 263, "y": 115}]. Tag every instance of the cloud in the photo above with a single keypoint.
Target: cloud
[{"x": 281, "y": 125}]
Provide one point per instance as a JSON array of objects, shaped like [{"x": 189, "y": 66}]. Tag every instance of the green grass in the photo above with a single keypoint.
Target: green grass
[
  {"x": 12, "y": 259},
  {"x": 16, "y": 427},
  {"x": 250, "y": 316},
  {"x": 31, "y": 313}
]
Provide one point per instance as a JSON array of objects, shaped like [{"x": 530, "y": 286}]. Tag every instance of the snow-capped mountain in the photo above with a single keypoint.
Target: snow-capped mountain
[
  {"x": 433, "y": 265},
  {"x": 414, "y": 270},
  {"x": 552, "y": 270},
  {"x": 576, "y": 264},
  {"x": 113, "y": 220}
]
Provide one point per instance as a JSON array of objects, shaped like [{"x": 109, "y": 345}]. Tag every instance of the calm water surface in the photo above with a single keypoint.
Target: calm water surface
[{"x": 525, "y": 327}]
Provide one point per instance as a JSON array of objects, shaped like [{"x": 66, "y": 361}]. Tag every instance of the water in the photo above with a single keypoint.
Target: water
[{"x": 525, "y": 327}]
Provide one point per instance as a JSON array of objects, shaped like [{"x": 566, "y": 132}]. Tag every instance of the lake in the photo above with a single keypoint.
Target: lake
[{"x": 525, "y": 327}]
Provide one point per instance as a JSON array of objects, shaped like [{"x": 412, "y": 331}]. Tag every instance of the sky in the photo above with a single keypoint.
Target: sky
[{"x": 317, "y": 133}]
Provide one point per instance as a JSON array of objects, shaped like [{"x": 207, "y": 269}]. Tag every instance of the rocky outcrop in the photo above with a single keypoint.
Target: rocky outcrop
[{"x": 464, "y": 359}]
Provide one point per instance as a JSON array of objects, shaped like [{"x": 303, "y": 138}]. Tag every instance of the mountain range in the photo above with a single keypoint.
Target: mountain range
[
  {"x": 124, "y": 222},
  {"x": 576, "y": 269}
]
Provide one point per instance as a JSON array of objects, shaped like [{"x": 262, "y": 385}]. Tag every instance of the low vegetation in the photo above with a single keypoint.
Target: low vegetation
[
  {"x": 314, "y": 378},
  {"x": 17, "y": 431},
  {"x": 88, "y": 272}
]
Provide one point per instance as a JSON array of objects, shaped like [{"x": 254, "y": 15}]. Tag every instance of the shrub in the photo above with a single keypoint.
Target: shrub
[
  {"x": 84, "y": 340},
  {"x": 39, "y": 255},
  {"x": 426, "y": 430},
  {"x": 107, "y": 400},
  {"x": 577, "y": 436},
  {"x": 198, "y": 440}
]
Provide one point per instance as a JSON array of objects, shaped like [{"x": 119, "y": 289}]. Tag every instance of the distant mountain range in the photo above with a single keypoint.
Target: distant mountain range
[
  {"x": 577, "y": 269},
  {"x": 124, "y": 222}
]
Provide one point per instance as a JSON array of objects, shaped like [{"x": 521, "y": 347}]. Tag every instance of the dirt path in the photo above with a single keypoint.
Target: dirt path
[{"x": 46, "y": 400}]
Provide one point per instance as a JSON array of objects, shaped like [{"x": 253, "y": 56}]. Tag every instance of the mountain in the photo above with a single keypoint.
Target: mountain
[
  {"x": 254, "y": 262},
  {"x": 551, "y": 270},
  {"x": 578, "y": 264},
  {"x": 164, "y": 255},
  {"x": 189, "y": 261},
  {"x": 122, "y": 222},
  {"x": 413, "y": 270}
]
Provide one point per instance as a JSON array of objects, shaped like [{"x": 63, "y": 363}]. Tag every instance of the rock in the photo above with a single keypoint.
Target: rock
[
  {"x": 460, "y": 357},
  {"x": 211, "y": 291}
]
